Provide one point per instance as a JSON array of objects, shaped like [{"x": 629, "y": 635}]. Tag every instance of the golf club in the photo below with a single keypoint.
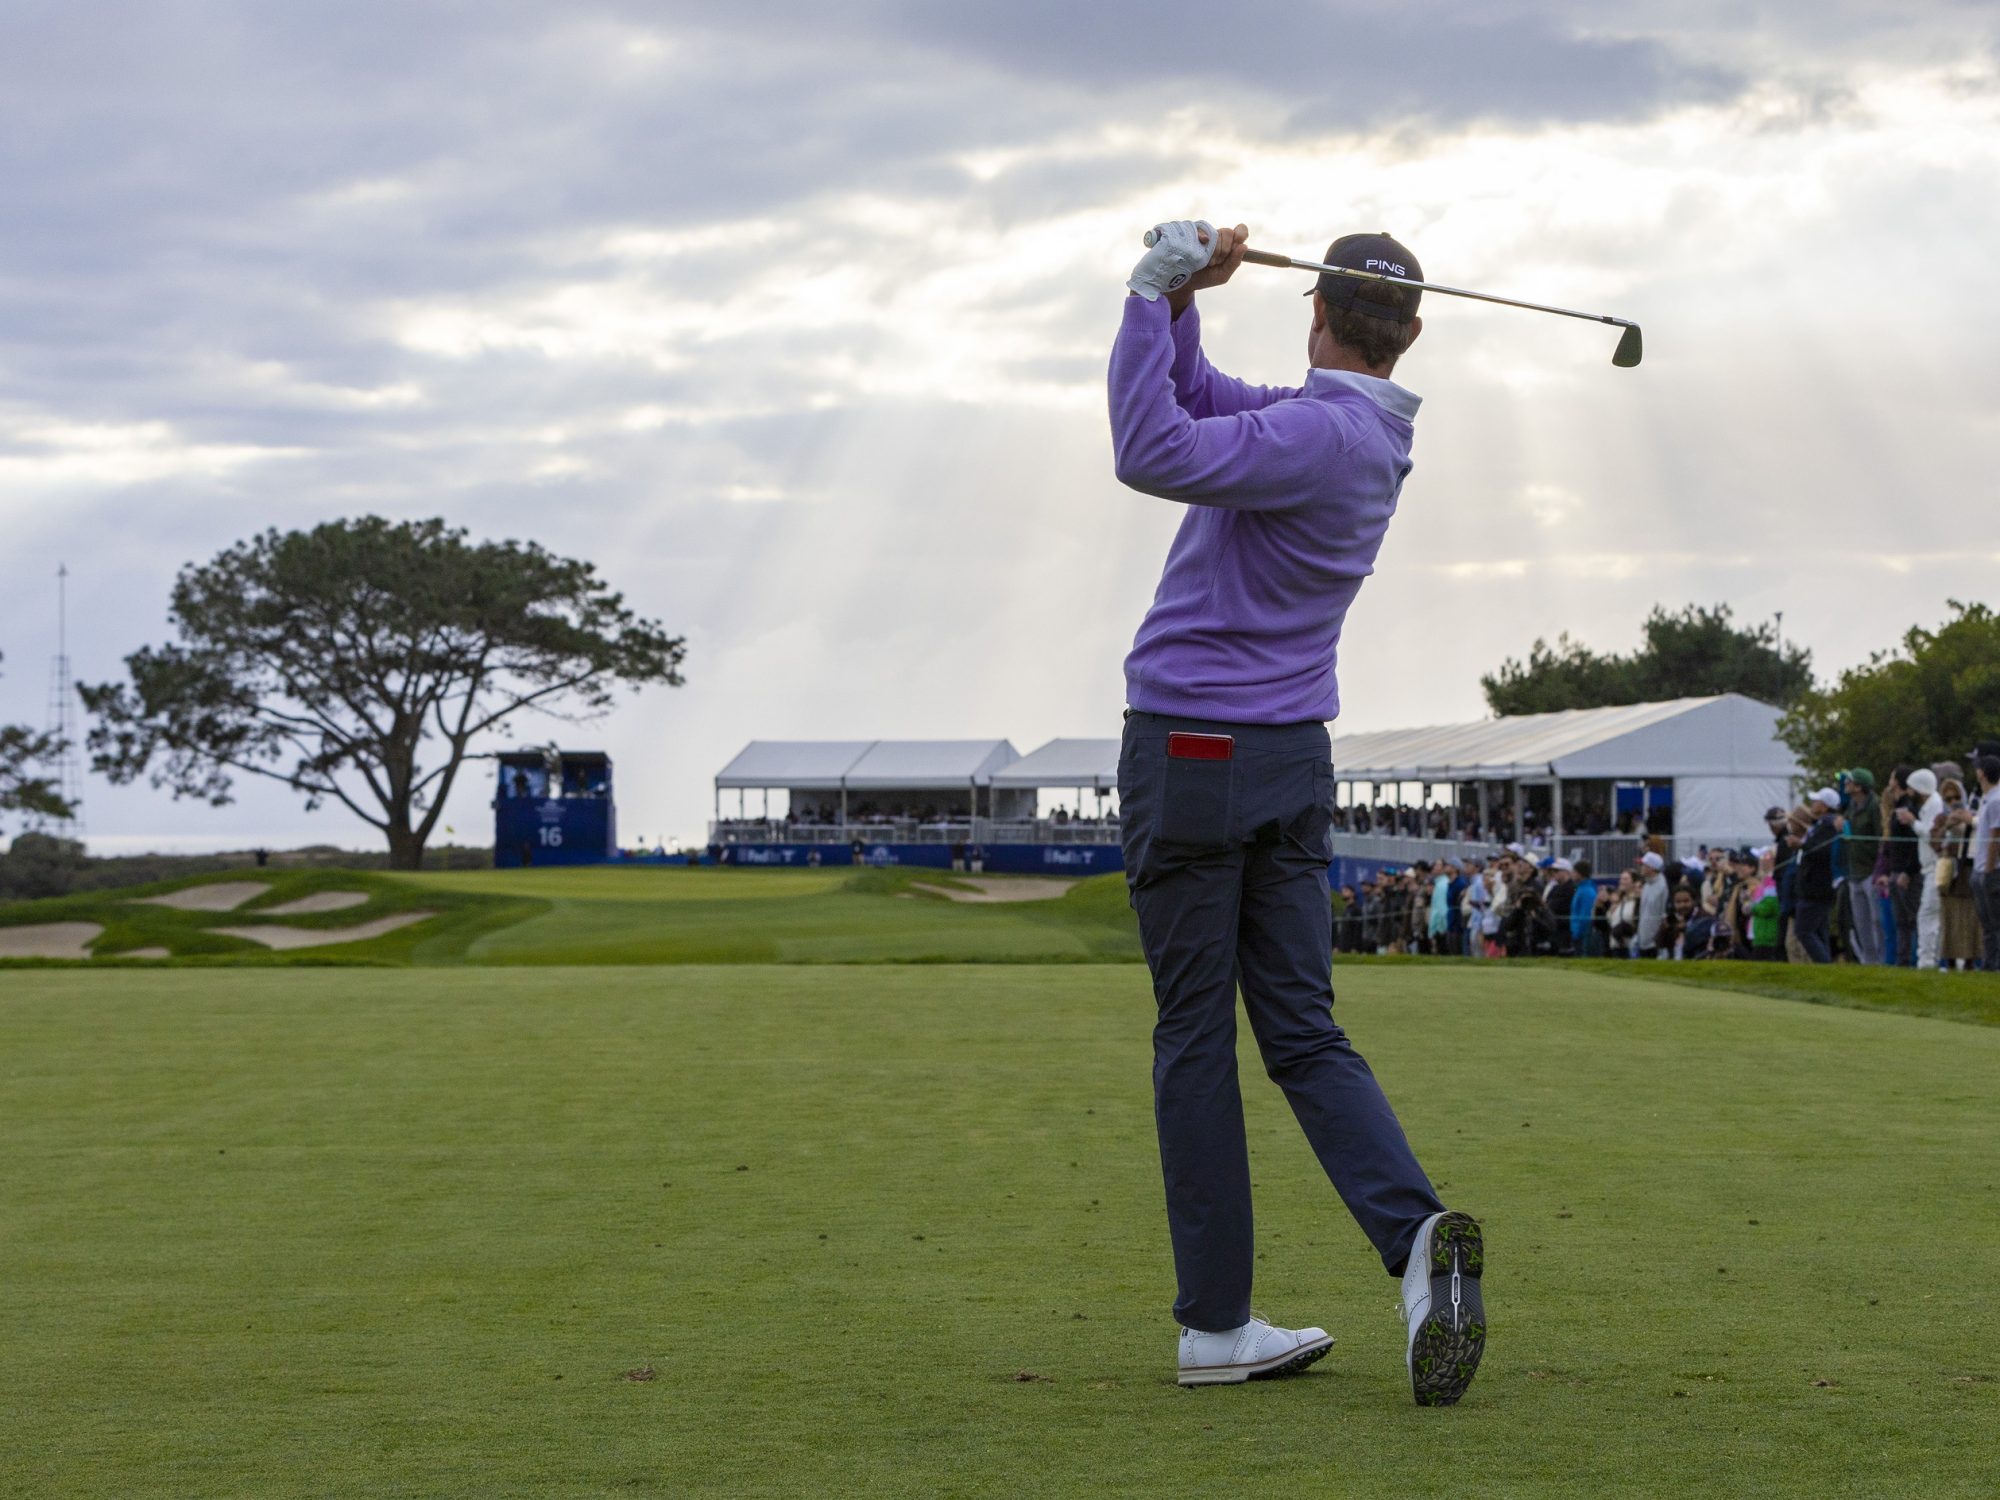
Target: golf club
[{"x": 1625, "y": 357}]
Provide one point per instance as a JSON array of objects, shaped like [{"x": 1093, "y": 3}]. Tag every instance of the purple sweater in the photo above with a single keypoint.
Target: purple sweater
[{"x": 1289, "y": 492}]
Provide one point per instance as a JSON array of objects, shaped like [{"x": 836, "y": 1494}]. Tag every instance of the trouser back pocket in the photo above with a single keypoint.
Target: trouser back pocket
[{"x": 1198, "y": 790}]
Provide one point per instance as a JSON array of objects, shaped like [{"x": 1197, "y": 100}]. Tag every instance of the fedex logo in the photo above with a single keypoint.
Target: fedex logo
[{"x": 1386, "y": 265}]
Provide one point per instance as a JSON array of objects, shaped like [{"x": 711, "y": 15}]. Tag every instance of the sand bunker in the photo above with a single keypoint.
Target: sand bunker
[
  {"x": 323, "y": 901},
  {"x": 141, "y": 953},
  {"x": 308, "y": 937},
  {"x": 1009, "y": 888},
  {"x": 48, "y": 940},
  {"x": 224, "y": 895}
]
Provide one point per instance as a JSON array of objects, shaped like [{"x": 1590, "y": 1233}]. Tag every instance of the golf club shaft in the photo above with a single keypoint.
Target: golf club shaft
[{"x": 1269, "y": 258}]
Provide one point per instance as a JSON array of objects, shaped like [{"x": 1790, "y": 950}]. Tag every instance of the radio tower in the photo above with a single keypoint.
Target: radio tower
[{"x": 62, "y": 720}]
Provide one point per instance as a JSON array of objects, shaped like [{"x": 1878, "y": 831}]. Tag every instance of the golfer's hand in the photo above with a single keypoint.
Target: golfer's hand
[
  {"x": 1222, "y": 261},
  {"x": 1178, "y": 251}
]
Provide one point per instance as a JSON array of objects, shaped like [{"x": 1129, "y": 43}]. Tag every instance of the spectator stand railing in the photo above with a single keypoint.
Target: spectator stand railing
[
  {"x": 1611, "y": 852},
  {"x": 984, "y": 831}
]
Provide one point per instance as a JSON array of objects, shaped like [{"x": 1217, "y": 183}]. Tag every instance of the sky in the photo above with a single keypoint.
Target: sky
[{"x": 793, "y": 319}]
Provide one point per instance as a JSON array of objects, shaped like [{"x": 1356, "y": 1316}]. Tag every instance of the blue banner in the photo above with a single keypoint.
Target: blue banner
[
  {"x": 552, "y": 831},
  {"x": 1074, "y": 860}
]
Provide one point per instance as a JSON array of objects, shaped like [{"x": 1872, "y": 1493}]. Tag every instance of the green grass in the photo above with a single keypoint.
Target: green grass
[
  {"x": 371, "y": 1232},
  {"x": 677, "y": 916},
  {"x": 603, "y": 916}
]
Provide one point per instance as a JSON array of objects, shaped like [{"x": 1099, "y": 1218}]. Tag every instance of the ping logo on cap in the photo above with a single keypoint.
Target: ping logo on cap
[{"x": 1385, "y": 265}]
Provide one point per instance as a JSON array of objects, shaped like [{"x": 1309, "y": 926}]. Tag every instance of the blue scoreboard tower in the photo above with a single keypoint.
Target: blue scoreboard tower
[{"x": 553, "y": 808}]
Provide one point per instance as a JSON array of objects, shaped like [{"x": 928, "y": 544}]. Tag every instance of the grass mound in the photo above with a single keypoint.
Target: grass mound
[{"x": 130, "y": 922}]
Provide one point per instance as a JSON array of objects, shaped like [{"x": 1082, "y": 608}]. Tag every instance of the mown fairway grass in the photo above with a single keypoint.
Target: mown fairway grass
[{"x": 897, "y": 1231}]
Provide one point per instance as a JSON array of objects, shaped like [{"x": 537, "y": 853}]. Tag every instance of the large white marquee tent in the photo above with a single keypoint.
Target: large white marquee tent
[{"x": 1721, "y": 754}]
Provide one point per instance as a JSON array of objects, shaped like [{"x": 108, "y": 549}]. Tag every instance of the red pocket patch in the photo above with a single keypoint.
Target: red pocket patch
[{"x": 1201, "y": 747}]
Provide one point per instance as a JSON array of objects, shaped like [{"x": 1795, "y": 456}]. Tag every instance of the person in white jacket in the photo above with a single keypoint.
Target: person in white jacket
[
  {"x": 1652, "y": 904},
  {"x": 1930, "y": 911}
]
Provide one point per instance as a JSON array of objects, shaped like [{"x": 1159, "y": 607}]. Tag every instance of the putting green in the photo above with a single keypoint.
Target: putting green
[{"x": 896, "y": 1231}]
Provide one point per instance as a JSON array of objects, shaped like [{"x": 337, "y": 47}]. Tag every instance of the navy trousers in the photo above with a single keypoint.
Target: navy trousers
[{"x": 1227, "y": 864}]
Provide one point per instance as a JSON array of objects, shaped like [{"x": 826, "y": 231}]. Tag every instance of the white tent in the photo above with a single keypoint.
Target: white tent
[
  {"x": 807, "y": 765},
  {"x": 1722, "y": 754},
  {"x": 921, "y": 765},
  {"x": 868, "y": 766},
  {"x": 1091, "y": 764}
]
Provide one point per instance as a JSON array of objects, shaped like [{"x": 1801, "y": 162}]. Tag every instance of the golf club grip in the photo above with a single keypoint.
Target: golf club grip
[{"x": 1255, "y": 257}]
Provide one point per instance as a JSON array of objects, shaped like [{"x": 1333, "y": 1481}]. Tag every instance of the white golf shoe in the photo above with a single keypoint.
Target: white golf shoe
[
  {"x": 1256, "y": 1351},
  {"x": 1443, "y": 1309}
]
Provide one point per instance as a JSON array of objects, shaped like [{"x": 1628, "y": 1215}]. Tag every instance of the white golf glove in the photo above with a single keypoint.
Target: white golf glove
[{"x": 1178, "y": 251}]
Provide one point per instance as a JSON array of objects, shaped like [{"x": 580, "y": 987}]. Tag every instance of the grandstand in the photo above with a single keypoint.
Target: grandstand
[
  {"x": 1683, "y": 774},
  {"x": 944, "y": 803},
  {"x": 1686, "y": 773}
]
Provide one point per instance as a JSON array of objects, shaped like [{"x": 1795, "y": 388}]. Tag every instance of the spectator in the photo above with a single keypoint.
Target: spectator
[
  {"x": 1529, "y": 931},
  {"x": 1766, "y": 945},
  {"x": 1958, "y": 917},
  {"x": 1473, "y": 904},
  {"x": 1715, "y": 881},
  {"x": 1923, "y": 823},
  {"x": 1622, "y": 916},
  {"x": 1454, "y": 896},
  {"x": 1864, "y": 842},
  {"x": 1733, "y": 926},
  {"x": 1560, "y": 898},
  {"x": 1677, "y": 939},
  {"x": 1583, "y": 938},
  {"x": 1652, "y": 905},
  {"x": 1502, "y": 887},
  {"x": 1896, "y": 870},
  {"x": 1439, "y": 910},
  {"x": 1815, "y": 878},
  {"x": 1986, "y": 861}
]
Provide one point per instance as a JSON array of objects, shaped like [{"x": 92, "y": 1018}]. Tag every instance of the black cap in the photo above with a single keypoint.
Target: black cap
[
  {"x": 1983, "y": 749},
  {"x": 1371, "y": 252}
]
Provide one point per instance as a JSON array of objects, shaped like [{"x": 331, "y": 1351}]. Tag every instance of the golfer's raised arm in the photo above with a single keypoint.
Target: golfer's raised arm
[
  {"x": 1255, "y": 460},
  {"x": 1204, "y": 391}
]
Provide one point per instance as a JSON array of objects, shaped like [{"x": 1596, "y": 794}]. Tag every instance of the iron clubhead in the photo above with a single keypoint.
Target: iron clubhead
[{"x": 1629, "y": 348}]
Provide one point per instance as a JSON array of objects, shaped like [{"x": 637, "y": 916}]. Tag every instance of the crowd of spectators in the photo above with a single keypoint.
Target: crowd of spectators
[
  {"x": 1462, "y": 823},
  {"x": 1907, "y": 873},
  {"x": 870, "y": 812}
]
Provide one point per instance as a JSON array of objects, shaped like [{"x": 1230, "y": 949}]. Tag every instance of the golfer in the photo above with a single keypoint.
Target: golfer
[{"x": 1226, "y": 785}]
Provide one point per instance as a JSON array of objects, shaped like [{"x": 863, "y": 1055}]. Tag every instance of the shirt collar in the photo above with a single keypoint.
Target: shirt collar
[{"x": 1386, "y": 394}]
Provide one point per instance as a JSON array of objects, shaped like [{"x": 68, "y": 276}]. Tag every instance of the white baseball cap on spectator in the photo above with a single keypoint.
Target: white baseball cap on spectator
[
  {"x": 1652, "y": 861},
  {"x": 1826, "y": 796}
]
